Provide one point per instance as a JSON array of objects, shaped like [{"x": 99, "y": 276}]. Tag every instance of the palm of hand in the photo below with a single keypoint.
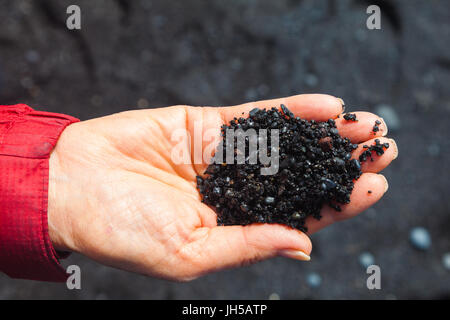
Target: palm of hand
[{"x": 125, "y": 203}]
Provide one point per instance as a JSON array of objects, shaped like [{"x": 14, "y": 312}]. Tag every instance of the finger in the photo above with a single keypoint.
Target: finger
[
  {"x": 320, "y": 107},
  {"x": 376, "y": 163},
  {"x": 361, "y": 130},
  {"x": 229, "y": 246},
  {"x": 207, "y": 215},
  {"x": 360, "y": 200}
]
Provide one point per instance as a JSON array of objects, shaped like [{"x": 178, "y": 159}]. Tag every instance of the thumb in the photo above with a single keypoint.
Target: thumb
[{"x": 229, "y": 246}]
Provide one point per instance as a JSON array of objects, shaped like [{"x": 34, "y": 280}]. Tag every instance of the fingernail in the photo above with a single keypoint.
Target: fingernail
[
  {"x": 384, "y": 126},
  {"x": 295, "y": 254},
  {"x": 342, "y": 104},
  {"x": 386, "y": 184},
  {"x": 394, "y": 145}
]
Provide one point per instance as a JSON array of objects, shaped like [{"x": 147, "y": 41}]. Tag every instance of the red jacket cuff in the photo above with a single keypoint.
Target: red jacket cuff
[{"x": 27, "y": 138}]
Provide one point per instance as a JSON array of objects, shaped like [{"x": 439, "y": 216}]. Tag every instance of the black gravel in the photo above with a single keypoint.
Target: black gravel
[
  {"x": 350, "y": 117},
  {"x": 315, "y": 169},
  {"x": 378, "y": 148},
  {"x": 376, "y": 127}
]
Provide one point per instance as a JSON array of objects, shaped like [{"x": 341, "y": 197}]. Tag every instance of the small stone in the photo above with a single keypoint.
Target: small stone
[
  {"x": 314, "y": 280},
  {"x": 286, "y": 111},
  {"x": 32, "y": 56},
  {"x": 27, "y": 82},
  {"x": 350, "y": 117},
  {"x": 420, "y": 238},
  {"x": 424, "y": 99},
  {"x": 269, "y": 200},
  {"x": 339, "y": 162},
  {"x": 434, "y": 149},
  {"x": 328, "y": 184},
  {"x": 274, "y": 296},
  {"x": 244, "y": 207},
  {"x": 378, "y": 148},
  {"x": 429, "y": 79},
  {"x": 311, "y": 80},
  {"x": 334, "y": 131},
  {"x": 236, "y": 64},
  {"x": 251, "y": 94},
  {"x": 263, "y": 89},
  {"x": 296, "y": 216},
  {"x": 253, "y": 112},
  {"x": 229, "y": 193},
  {"x": 366, "y": 259},
  {"x": 446, "y": 260},
  {"x": 159, "y": 21},
  {"x": 217, "y": 191},
  {"x": 143, "y": 103},
  {"x": 356, "y": 164}
]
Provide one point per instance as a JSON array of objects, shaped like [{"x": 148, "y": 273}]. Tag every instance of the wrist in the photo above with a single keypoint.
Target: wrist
[{"x": 57, "y": 221}]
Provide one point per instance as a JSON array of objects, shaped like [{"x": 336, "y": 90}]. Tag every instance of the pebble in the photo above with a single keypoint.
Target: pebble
[
  {"x": 159, "y": 21},
  {"x": 251, "y": 94},
  {"x": 311, "y": 80},
  {"x": 101, "y": 296},
  {"x": 446, "y": 260},
  {"x": 236, "y": 64},
  {"x": 263, "y": 89},
  {"x": 434, "y": 149},
  {"x": 328, "y": 184},
  {"x": 420, "y": 238},
  {"x": 27, "y": 82},
  {"x": 366, "y": 259},
  {"x": 96, "y": 100},
  {"x": 274, "y": 296},
  {"x": 389, "y": 115},
  {"x": 313, "y": 280},
  {"x": 391, "y": 296},
  {"x": 217, "y": 191},
  {"x": 429, "y": 79},
  {"x": 32, "y": 56},
  {"x": 350, "y": 117},
  {"x": 269, "y": 200},
  {"x": 424, "y": 99},
  {"x": 296, "y": 216},
  {"x": 143, "y": 103}
]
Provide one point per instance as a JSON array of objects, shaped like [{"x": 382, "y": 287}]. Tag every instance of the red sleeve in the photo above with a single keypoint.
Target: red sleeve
[{"x": 26, "y": 139}]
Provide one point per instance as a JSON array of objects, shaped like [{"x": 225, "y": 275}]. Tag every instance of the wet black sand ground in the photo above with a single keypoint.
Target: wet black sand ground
[{"x": 157, "y": 53}]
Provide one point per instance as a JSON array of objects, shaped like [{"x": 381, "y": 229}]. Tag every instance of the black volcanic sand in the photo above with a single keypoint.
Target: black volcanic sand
[{"x": 315, "y": 169}]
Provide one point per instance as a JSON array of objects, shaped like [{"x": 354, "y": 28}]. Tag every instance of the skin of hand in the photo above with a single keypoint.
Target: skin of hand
[{"x": 116, "y": 196}]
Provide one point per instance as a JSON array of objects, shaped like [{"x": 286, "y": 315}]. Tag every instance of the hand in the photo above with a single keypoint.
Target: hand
[{"x": 116, "y": 196}]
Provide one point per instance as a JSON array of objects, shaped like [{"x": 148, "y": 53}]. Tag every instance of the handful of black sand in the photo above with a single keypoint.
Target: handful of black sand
[{"x": 315, "y": 169}]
